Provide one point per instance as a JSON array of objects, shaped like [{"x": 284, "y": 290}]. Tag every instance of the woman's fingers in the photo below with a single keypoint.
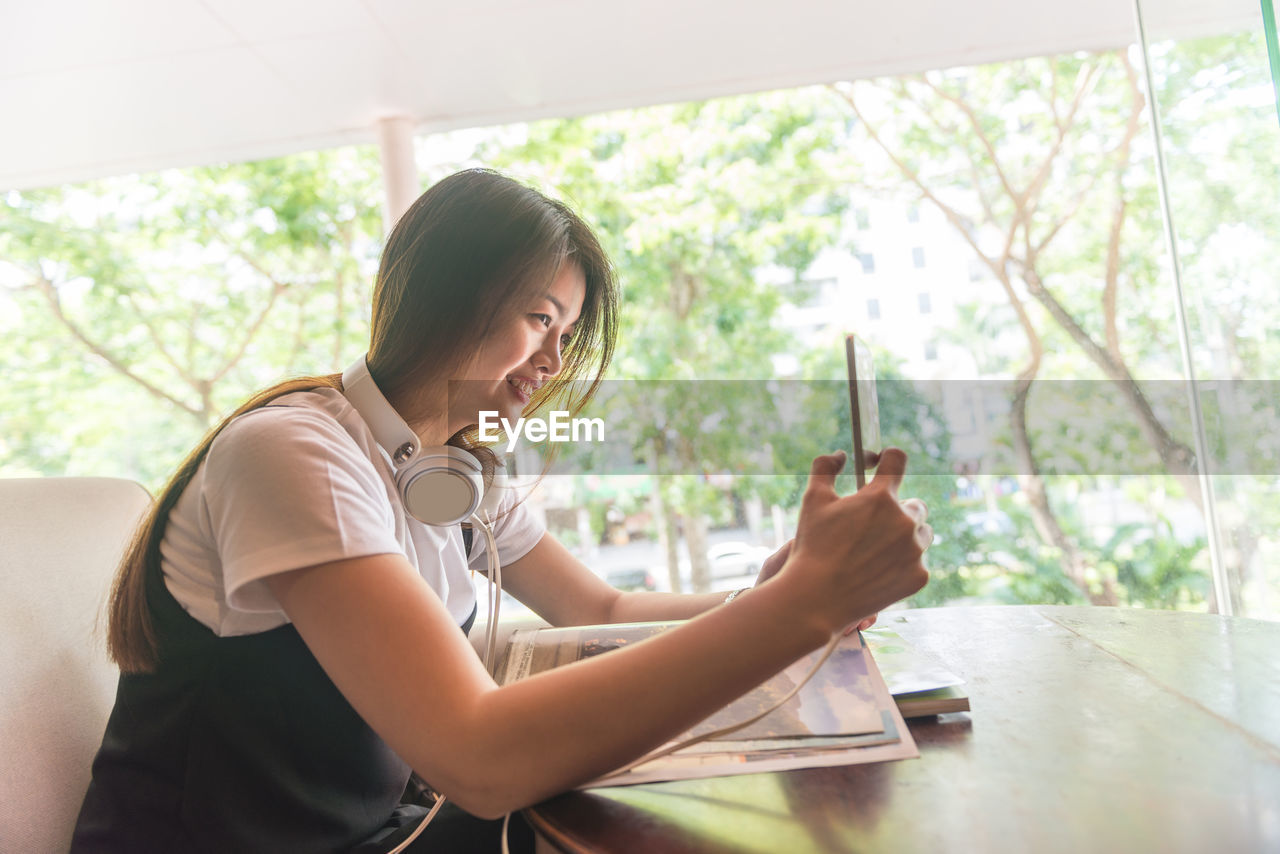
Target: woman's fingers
[
  {"x": 774, "y": 562},
  {"x": 891, "y": 469},
  {"x": 919, "y": 511},
  {"x": 822, "y": 478},
  {"x": 916, "y": 509},
  {"x": 860, "y": 553},
  {"x": 861, "y": 625}
]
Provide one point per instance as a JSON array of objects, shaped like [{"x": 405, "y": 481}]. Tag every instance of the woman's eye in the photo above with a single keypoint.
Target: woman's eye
[
  {"x": 544, "y": 319},
  {"x": 564, "y": 341}
]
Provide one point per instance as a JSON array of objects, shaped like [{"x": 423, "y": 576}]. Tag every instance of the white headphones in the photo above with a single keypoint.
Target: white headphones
[{"x": 440, "y": 486}]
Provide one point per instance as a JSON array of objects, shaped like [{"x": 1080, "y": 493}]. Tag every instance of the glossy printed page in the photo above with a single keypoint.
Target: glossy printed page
[{"x": 843, "y": 714}]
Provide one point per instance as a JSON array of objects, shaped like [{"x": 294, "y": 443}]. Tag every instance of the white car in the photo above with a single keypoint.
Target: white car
[{"x": 734, "y": 559}]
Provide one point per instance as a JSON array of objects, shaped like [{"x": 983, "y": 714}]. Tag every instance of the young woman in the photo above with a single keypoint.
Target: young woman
[{"x": 288, "y": 632}]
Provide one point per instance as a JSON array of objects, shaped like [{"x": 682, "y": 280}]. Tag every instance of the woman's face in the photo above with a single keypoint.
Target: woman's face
[{"x": 516, "y": 360}]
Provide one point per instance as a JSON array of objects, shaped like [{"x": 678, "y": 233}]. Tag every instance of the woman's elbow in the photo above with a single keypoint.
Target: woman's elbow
[
  {"x": 490, "y": 801},
  {"x": 485, "y": 786}
]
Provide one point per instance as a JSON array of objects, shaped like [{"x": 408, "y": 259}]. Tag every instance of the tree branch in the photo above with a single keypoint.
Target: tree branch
[
  {"x": 250, "y": 333},
  {"x": 951, "y": 132},
  {"x": 961, "y": 224},
  {"x": 1071, "y": 211},
  {"x": 998, "y": 267},
  {"x": 50, "y": 293},
  {"x": 1174, "y": 454},
  {"x": 158, "y": 342},
  {"x": 976, "y": 124},
  {"x": 1041, "y": 177},
  {"x": 1111, "y": 286},
  {"x": 1053, "y": 95}
]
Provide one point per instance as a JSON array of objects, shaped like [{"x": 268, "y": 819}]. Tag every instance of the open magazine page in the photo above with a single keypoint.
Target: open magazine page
[
  {"x": 921, "y": 685},
  {"x": 843, "y": 715},
  {"x": 906, "y": 669},
  {"x": 838, "y": 700}
]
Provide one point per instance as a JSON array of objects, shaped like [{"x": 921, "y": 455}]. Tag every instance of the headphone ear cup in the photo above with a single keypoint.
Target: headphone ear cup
[{"x": 441, "y": 486}]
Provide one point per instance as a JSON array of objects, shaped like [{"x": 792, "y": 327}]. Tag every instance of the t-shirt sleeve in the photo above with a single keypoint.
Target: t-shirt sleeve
[
  {"x": 515, "y": 528},
  {"x": 286, "y": 488}
]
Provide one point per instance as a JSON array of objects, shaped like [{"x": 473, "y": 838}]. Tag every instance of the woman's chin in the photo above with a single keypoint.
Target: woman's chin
[{"x": 513, "y": 408}]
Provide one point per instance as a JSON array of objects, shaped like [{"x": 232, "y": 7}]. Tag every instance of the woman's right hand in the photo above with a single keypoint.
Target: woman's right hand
[{"x": 854, "y": 555}]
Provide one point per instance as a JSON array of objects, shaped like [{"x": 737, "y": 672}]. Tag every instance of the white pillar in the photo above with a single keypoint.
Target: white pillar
[{"x": 399, "y": 169}]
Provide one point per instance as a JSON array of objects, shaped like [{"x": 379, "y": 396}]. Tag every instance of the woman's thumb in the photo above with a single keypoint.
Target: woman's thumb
[{"x": 822, "y": 475}]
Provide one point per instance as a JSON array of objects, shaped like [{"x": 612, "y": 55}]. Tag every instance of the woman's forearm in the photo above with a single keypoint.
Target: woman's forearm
[
  {"x": 572, "y": 724},
  {"x": 578, "y": 722},
  {"x": 493, "y": 749},
  {"x": 646, "y": 607}
]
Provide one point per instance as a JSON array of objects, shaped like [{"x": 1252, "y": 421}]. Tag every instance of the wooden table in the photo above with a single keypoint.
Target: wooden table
[{"x": 1091, "y": 730}]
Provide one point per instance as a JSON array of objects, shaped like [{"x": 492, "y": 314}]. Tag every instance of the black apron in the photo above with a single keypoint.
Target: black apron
[{"x": 236, "y": 744}]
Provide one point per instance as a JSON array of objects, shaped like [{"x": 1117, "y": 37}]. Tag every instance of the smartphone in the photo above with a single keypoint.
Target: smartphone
[{"x": 863, "y": 405}]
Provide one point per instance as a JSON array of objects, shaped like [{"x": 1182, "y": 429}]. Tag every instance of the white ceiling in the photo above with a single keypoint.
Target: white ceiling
[{"x": 99, "y": 87}]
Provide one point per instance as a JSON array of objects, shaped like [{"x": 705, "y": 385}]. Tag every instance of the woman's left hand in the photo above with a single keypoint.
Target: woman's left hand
[{"x": 774, "y": 563}]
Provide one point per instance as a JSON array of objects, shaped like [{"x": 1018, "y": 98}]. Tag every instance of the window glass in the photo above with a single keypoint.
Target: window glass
[
  {"x": 1216, "y": 101},
  {"x": 1038, "y": 386}
]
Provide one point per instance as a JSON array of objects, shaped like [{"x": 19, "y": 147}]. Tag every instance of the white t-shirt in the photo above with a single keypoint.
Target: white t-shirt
[{"x": 301, "y": 482}]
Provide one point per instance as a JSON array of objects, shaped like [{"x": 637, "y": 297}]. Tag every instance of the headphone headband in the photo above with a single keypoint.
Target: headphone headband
[
  {"x": 388, "y": 428},
  {"x": 439, "y": 486}
]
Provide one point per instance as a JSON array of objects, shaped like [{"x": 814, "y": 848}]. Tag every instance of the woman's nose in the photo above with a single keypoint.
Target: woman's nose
[{"x": 549, "y": 358}]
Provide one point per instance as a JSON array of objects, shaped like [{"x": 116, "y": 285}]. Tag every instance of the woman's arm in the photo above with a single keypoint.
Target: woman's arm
[
  {"x": 493, "y": 749},
  {"x": 564, "y": 592}
]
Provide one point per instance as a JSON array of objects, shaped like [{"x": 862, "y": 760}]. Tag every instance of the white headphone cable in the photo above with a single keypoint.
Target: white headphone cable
[
  {"x": 658, "y": 754},
  {"x": 435, "y": 808},
  {"x": 491, "y": 642},
  {"x": 495, "y": 594}
]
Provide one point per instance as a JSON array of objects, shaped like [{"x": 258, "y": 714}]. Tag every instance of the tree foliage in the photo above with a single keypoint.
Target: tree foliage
[
  {"x": 141, "y": 308},
  {"x": 137, "y": 310},
  {"x": 694, "y": 201}
]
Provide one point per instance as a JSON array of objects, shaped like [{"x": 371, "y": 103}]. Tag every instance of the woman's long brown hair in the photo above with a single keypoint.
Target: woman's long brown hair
[{"x": 471, "y": 253}]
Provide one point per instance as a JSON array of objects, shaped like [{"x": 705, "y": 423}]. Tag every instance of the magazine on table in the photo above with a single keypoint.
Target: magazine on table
[
  {"x": 921, "y": 685},
  {"x": 844, "y": 715}
]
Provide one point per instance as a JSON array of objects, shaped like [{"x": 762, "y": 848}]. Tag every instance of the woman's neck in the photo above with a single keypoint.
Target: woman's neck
[
  {"x": 434, "y": 431},
  {"x": 432, "y": 427}
]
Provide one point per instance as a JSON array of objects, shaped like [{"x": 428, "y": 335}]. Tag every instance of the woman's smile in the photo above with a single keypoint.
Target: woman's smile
[
  {"x": 523, "y": 388},
  {"x": 518, "y": 360}
]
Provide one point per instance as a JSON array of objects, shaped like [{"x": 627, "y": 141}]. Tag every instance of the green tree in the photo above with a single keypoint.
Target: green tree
[
  {"x": 146, "y": 306},
  {"x": 909, "y": 420},
  {"x": 1217, "y": 109},
  {"x": 1032, "y": 163},
  {"x": 695, "y": 201}
]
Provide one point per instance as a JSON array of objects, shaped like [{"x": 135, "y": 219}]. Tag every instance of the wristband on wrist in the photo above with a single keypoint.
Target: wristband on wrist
[{"x": 735, "y": 594}]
